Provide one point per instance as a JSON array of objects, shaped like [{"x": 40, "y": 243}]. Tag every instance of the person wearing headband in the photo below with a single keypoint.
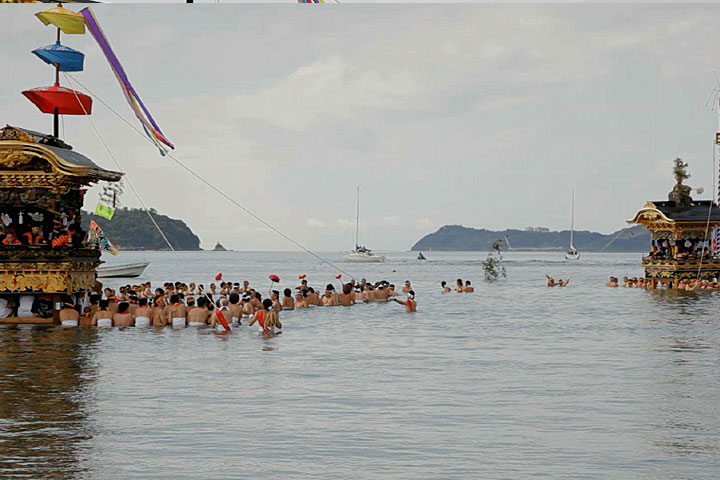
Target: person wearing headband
[
  {"x": 123, "y": 318},
  {"x": 410, "y": 305},
  {"x": 143, "y": 313},
  {"x": 69, "y": 317}
]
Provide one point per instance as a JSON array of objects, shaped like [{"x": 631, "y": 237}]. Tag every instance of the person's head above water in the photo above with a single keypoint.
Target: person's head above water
[{"x": 267, "y": 304}]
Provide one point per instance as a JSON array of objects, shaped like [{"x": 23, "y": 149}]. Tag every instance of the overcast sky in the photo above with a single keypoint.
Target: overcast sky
[{"x": 481, "y": 115}]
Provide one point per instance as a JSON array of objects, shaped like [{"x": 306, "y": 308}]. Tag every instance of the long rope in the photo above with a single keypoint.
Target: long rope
[
  {"x": 214, "y": 188},
  {"x": 117, "y": 164}
]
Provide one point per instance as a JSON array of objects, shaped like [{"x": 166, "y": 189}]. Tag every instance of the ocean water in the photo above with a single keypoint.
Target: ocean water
[{"x": 514, "y": 381}]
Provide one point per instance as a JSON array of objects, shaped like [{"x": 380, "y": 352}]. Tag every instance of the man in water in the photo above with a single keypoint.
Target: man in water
[
  {"x": 69, "y": 317},
  {"x": 613, "y": 282},
  {"x": 468, "y": 287},
  {"x": 459, "y": 285},
  {"x": 176, "y": 312},
  {"x": 123, "y": 318},
  {"x": 444, "y": 286},
  {"x": 407, "y": 287},
  {"x": 410, "y": 305},
  {"x": 198, "y": 316}
]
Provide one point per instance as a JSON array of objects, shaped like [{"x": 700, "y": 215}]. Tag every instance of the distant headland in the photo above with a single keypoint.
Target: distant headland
[
  {"x": 131, "y": 229},
  {"x": 457, "y": 238}
]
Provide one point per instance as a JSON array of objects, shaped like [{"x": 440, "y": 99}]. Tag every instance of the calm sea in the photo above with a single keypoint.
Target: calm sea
[{"x": 514, "y": 381}]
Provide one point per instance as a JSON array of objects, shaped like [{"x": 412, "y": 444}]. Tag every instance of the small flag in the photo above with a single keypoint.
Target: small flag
[
  {"x": 97, "y": 236},
  {"x": 104, "y": 211},
  {"x": 338, "y": 276},
  {"x": 218, "y": 277},
  {"x": 302, "y": 276}
]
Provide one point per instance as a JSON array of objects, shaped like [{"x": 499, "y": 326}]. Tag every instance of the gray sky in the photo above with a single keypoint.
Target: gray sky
[{"x": 483, "y": 115}]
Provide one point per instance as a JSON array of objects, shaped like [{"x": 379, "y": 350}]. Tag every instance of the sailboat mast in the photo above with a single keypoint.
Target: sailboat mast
[
  {"x": 357, "y": 219},
  {"x": 572, "y": 218}
]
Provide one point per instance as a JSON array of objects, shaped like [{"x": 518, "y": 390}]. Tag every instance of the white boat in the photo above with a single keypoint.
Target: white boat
[
  {"x": 572, "y": 253},
  {"x": 131, "y": 270},
  {"x": 361, "y": 254}
]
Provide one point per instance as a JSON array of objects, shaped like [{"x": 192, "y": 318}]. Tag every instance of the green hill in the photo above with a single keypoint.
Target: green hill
[
  {"x": 459, "y": 238},
  {"x": 131, "y": 229}
]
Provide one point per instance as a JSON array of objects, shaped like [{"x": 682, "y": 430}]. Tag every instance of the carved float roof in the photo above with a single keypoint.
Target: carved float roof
[
  {"x": 668, "y": 212},
  {"x": 59, "y": 154}
]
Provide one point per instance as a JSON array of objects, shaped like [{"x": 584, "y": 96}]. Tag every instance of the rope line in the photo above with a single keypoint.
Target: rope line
[
  {"x": 117, "y": 164},
  {"x": 216, "y": 189}
]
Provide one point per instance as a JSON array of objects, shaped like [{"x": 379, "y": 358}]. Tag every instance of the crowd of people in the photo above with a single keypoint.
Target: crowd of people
[
  {"x": 669, "y": 284},
  {"x": 221, "y": 306}
]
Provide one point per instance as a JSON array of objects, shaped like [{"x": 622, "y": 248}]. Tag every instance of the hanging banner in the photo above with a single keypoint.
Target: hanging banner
[
  {"x": 104, "y": 211},
  {"x": 152, "y": 130},
  {"x": 97, "y": 236}
]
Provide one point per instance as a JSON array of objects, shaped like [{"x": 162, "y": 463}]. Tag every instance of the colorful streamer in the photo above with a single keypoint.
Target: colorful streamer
[
  {"x": 152, "y": 130},
  {"x": 311, "y": 1},
  {"x": 97, "y": 236}
]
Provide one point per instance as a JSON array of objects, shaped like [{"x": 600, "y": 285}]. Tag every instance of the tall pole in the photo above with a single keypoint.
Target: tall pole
[
  {"x": 572, "y": 219},
  {"x": 56, "y": 116},
  {"x": 357, "y": 219}
]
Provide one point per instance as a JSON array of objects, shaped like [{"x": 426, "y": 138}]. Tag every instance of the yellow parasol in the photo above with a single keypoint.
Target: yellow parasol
[{"x": 66, "y": 20}]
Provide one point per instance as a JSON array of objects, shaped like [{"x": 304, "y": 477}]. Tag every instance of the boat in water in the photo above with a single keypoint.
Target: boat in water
[
  {"x": 572, "y": 253},
  {"x": 361, "y": 254},
  {"x": 131, "y": 270}
]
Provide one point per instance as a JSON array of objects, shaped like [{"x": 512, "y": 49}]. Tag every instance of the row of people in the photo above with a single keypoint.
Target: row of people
[
  {"x": 669, "y": 284},
  {"x": 459, "y": 287}
]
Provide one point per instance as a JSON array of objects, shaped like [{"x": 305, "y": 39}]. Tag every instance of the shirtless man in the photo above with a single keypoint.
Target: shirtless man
[
  {"x": 347, "y": 298},
  {"x": 563, "y": 283},
  {"x": 468, "y": 287},
  {"x": 314, "y": 297},
  {"x": 330, "y": 298},
  {"x": 159, "y": 317},
  {"x": 287, "y": 301},
  {"x": 198, "y": 316},
  {"x": 256, "y": 301},
  {"x": 246, "y": 287},
  {"x": 103, "y": 316},
  {"x": 392, "y": 292},
  {"x": 444, "y": 286},
  {"x": 407, "y": 288},
  {"x": 613, "y": 282},
  {"x": 236, "y": 309},
  {"x": 410, "y": 305},
  {"x": 123, "y": 318},
  {"x": 359, "y": 297},
  {"x": 143, "y": 314},
  {"x": 381, "y": 294},
  {"x": 459, "y": 285},
  {"x": 275, "y": 297},
  {"x": 176, "y": 313},
  {"x": 301, "y": 300},
  {"x": 247, "y": 307},
  {"x": 69, "y": 317}
]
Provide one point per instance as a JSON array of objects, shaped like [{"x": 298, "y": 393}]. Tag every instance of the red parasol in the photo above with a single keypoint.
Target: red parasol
[{"x": 47, "y": 99}]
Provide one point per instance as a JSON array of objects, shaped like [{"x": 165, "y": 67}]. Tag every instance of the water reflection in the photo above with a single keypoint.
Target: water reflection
[{"x": 46, "y": 374}]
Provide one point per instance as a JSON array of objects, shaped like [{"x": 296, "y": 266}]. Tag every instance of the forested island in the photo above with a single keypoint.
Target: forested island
[
  {"x": 463, "y": 239},
  {"x": 131, "y": 229}
]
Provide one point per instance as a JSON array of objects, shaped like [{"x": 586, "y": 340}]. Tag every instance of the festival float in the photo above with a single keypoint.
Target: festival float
[
  {"x": 682, "y": 230},
  {"x": 45, "y": 254}
]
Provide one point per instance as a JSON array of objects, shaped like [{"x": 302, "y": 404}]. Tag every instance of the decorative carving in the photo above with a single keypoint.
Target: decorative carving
[
  {"x": 13, "y": 159},
  {"x": 12, "y": 133}
]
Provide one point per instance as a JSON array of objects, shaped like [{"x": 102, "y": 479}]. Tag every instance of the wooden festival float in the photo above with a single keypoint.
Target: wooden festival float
[
  {"x": 682, "y": 234},
  {"x": 42, "y": 186}
]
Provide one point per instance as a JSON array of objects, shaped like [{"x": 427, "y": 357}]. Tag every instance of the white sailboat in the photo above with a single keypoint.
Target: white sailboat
[
  {"x": 361, "y": 254},
  {"x": 572, "y": 253}
]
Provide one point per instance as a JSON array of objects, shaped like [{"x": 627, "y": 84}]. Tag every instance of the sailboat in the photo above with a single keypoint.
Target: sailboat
[
  {"x": 572, "y": 253},
  {"x": 361, "y": 254}
]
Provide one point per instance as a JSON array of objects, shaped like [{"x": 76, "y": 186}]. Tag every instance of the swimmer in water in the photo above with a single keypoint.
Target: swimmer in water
[
  {"x": 301, "y": 300},
  {"x": 410, "y": 305},
  {"x": 468, "y": 287},
  {"x": 459, "y": 285},
  {"x": 444, "y": 286},
  {"x": 176, "y": 312},
  {"x": 287, "y": 301},
  {"x": 69, "y": 317},
  {"x": 143, "y": 314},
  {"x": 613, "y": 282},
  {"x": 198, "y": 316},
  {"x": 236, "y": 310},
  {"x": 123, "y": 318},
  {"x": 266, "y": 318},
  {"x": 347, "y": 298},
  {"x": 103, "y": 316},
  {"x": 407, "y": 288}
]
